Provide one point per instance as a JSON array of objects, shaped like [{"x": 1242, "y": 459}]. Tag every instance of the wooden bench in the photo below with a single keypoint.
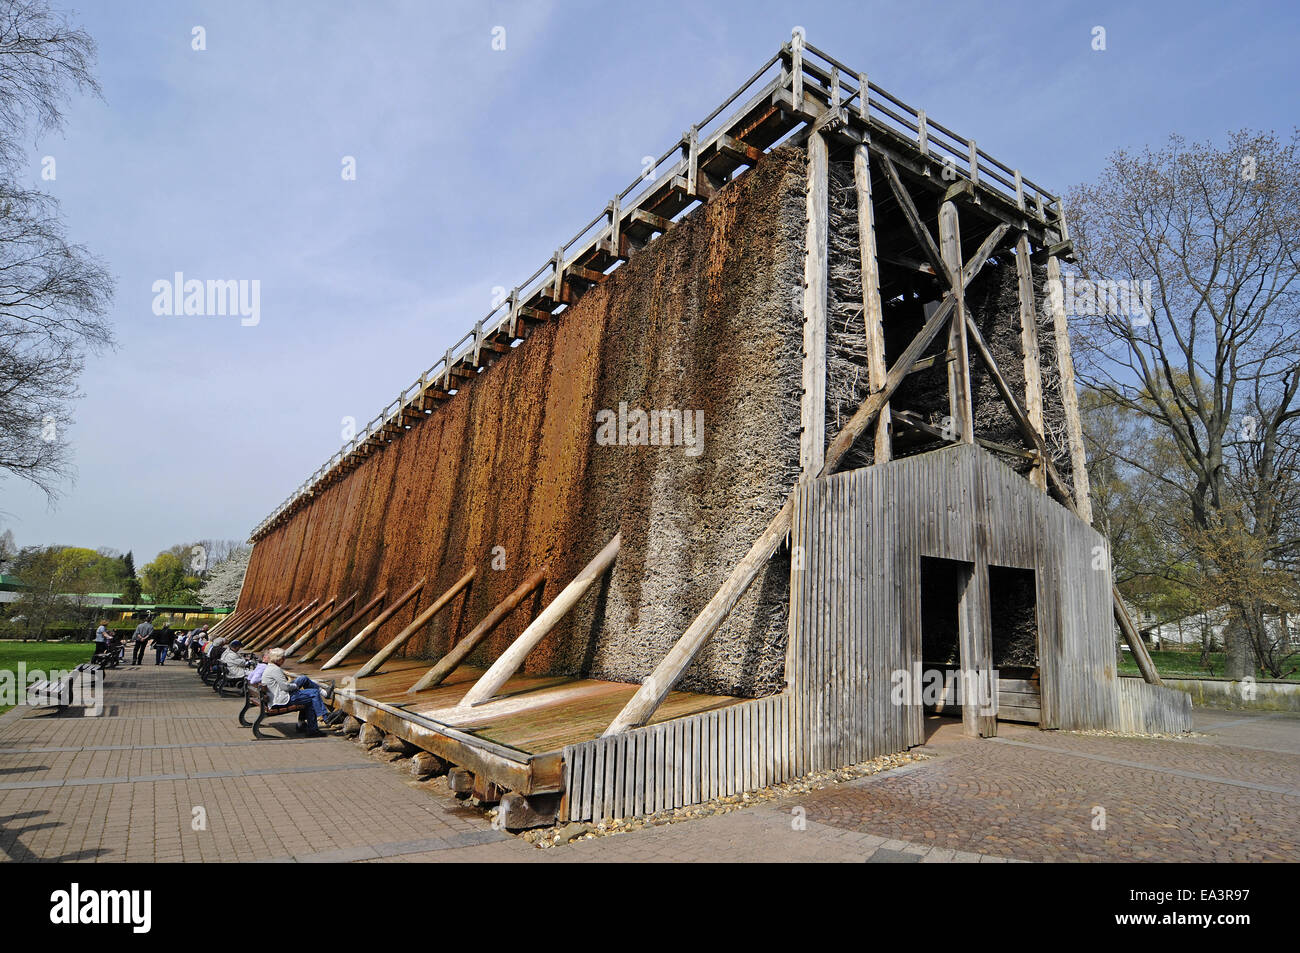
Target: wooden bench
[
  {"x": 59, "y": 692},
  {"x": 234, "y": 684},
  {"x": 257, "y": 696}
]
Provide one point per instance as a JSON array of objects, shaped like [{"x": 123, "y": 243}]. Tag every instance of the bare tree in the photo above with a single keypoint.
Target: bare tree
[
  {"x": 53, "y": 294},
  {"x": 1212, "y": 356}
]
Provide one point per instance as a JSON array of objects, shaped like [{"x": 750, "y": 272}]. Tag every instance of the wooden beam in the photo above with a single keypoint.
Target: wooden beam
[
  {"x": 504, "y": 667},
  {"x": 343, "y": 628},
  {"x": 320, "y": 626},
  {"x": 418, "y": 623},
  {"x": 291, "y": 633},
  {"x": 1134, "y": 639},
  {"x": 461, "y": 650},
  {"x": 268, "y": 637},
  {"x": 975, "y": 647},
  {"x": 642, "y": 705},
  {"x": 872, "y": 311},
  {"x": 919, "y": 230},
  {"x": 1069, "y": 398},
  {"x": 812, "y": 441},
  {"x": 341, "y": 655},
  {"x": 1029, "y": 348},
  {"x": 268, "y": 621},
  {"x": 239, "y": 625},
  {"x": 959, "y": 395}
]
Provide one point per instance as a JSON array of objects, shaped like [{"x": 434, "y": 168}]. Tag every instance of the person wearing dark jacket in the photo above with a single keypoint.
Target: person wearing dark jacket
[{"x": 162, "y": 641}]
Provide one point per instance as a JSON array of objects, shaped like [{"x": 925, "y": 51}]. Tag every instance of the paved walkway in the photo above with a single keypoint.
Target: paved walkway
[{"x": 166, "y": 773}]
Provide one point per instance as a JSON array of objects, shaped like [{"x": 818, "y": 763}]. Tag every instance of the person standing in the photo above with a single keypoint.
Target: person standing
[
  {"x": 143, "y": 633},
  {"x": 101, "y": 640},
  {"x": 162, "y": 641}
]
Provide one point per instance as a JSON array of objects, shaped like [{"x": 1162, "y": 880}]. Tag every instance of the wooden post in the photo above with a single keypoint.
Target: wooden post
[
  {"x": 506, "y": 666},
  {"x": 975, "y": 648},
  {"x": 959, "y": 397},
  {"x": 1029, "y": 346},
  {"x": 418, "y": 623},
  {"x": 796, "y": 70},
  {"x": 320, "y": 626},
  {"x": 343, "y": 628},
  {"x": 1069, "y": 398},
  {"x": 873, "y": 313},
  {"x": 379, "y": 620},
  {"x": 812, "y": 443},
  {"x": 461, "y": 650}
]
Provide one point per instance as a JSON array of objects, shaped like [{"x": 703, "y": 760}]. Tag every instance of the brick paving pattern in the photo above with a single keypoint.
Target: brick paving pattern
[{"x": 125, "y": 787}]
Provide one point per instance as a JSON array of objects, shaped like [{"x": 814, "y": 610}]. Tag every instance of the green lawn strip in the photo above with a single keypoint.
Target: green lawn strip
[{"x": 1174, "y": 664}]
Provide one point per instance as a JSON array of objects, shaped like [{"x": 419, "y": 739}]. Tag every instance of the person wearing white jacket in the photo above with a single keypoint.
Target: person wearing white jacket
[{"x": 302, "y": 689}]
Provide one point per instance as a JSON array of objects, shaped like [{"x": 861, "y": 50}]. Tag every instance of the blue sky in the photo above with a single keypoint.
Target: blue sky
[{"x": 472, "y": 166}]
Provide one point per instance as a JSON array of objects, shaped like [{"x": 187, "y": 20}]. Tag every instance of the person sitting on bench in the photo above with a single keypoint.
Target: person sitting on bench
[
  {"x": 301, "y": 690},
  {"x": 236, "y": 665},
  {"x": 255, "y": 675}
]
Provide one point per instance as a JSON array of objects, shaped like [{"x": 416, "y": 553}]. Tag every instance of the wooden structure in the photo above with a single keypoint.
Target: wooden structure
[{"x": 936, "y": 217}]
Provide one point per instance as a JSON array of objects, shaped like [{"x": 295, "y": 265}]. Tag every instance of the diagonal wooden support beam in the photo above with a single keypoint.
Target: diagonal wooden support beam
[
  {"x": 289, "y": 634},
  {"x": 245, "y": 623},
  {"x": 343, "y": 627},
  {"x": 272, "y": 618},
  {"x": 274, "y": 631},
  {"x": 320, "y": 626},
  {"x": 642, "y": 705},
  {"x": 280, "y": 626},
  {"x": 506, "y": 666},
  {"x": 919, "y": 230},
  {"x": 418, "y": 623},
  {"x": 461, "y": 650},
  {"x": 341, "y": 655}
]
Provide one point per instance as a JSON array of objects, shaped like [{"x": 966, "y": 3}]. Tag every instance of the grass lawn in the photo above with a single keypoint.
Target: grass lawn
[
  {"x": 1175, "y": 664},
  {"x": 45, "y": 656}
]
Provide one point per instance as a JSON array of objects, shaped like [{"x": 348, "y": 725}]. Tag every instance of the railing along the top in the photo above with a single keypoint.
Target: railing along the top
[{"x": 804, "y": 69}]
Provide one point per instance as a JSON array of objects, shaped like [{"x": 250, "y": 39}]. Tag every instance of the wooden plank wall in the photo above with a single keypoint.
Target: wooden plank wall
[
  {"x": 1152, "y": 709},
  {"x": 681, "y": 762}
]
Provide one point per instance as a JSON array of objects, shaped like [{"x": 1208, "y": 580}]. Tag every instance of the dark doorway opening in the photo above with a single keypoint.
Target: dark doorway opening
[
  {"x": 1013, "y": 604},
  {"x": 1013, "y": 608},
  {"x": 943, "y": 584}
]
